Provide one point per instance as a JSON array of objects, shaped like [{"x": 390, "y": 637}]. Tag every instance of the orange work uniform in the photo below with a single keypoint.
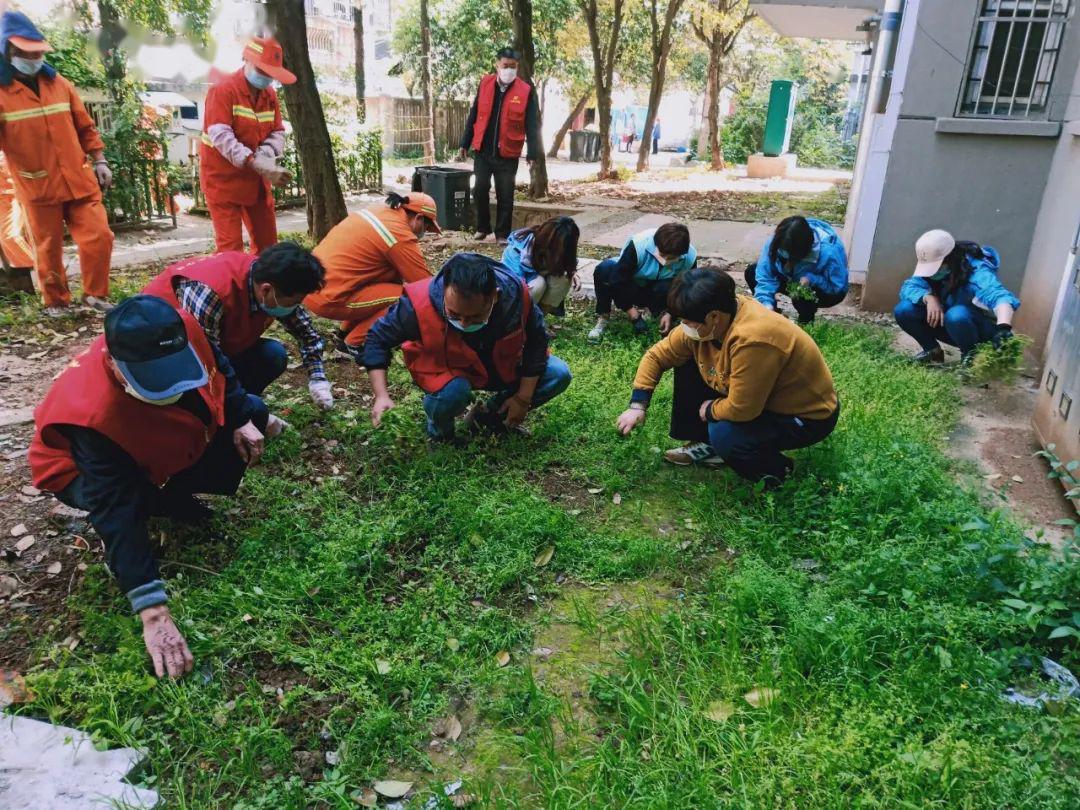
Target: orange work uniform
[
  {"x": 234, "y": 193},
  {"x": 14, "y": 236},
  {"x": 46, "y": 137},
  {"x": 368, "y": 257}
]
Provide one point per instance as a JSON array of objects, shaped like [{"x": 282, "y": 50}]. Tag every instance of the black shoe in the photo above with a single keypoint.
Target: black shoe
[
  {"x": 345, "y": 351},
  {"x": 934, "y": 357},
  {"x": 186, "y": 510},
  {"x": 641, "y": 326}
]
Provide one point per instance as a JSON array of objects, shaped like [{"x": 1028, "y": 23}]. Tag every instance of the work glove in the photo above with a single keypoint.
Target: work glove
[
  {"x": 103, "y": 174},
  {"x": 1003, "y": 334},
  {"x": 320, "y": 394},
  {"x": 275, "y": 426},
  {"x": 267, "y": 168}
]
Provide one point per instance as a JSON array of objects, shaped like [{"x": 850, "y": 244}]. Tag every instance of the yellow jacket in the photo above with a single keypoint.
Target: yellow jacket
[{"x": 763, "y": 363}]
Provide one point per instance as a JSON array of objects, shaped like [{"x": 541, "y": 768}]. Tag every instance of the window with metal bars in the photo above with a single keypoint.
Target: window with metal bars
[{"x": 1013, "y": 57}]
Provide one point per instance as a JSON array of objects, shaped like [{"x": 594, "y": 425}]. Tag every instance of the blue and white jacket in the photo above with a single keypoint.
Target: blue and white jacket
[
  {"x": 826, "y": 266},
  {"x": 649, "y": 268},
  {"x": 983, "y": 288},
  {"x": 517, "y": 256}
]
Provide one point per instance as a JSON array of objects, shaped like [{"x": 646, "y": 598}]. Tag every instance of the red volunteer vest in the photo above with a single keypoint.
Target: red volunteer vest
[
  {"x": 227, "y": 275},
  {"x": 511, "y": 116},
  {"x": 162, "y": 439},
  {"x": 252, "y": 118},
  {"x": 442, "y": 353}
]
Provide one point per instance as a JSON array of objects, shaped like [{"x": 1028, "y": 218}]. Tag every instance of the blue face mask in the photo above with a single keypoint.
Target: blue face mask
[
  {"x": 278, "y": 312},
  {"x": 256, "y": 79},
  {"x": 27, "y": 67},
  {"x": 472, "y": 327}
]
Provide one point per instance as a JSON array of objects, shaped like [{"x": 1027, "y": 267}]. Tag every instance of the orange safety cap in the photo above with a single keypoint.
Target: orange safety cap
[
  {"x": 265, "y": 54},
  {"x": 423, "y": 204}
]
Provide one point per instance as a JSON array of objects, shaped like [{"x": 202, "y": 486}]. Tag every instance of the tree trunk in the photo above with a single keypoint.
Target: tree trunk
[
  {"x": 325, "y": 204},
  {"x": 523, "y": 43},
  {"x": 112, "y": 57},
  {"x": 603, "y": 70},
  {"x": 569, "y": 122},
  {"x": 425, "y": 84},
  {"x": 661, "y": 48},
  {"x": 716, "y": 151},
  {"x": 358, "y": 45}
]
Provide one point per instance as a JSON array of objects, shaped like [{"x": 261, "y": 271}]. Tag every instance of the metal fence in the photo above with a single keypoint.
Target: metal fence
[
  {"x": 408, "y": 126},
  {"x": 140, "y": 194}
]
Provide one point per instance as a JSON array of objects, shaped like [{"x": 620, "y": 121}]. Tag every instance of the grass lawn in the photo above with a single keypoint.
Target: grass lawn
[{"x": 362, "y": 586}]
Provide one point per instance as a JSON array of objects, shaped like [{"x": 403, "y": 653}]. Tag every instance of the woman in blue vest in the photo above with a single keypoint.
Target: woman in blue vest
[
  {"x": 954, "y": 297},
  {"x": 545, "y": 256},
  {"x": 802, "y": 252},
  {"x": 641, "y": 276}
]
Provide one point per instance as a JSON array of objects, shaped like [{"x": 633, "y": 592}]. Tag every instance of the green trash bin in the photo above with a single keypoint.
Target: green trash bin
[
  {"x": 779, "y": 119},
  {"x": 449, "y": 187}
]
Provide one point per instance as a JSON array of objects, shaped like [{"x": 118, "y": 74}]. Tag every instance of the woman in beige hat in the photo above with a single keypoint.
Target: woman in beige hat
[{"x": 955, "y": 297}]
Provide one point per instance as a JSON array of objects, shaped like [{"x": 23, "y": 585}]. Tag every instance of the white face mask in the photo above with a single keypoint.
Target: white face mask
[
  {"x": 507, "y": 75},
  {"x": 28, "y": 67},
  {"x": 169, "y": 401},
  {"x": 691, "y": 332}
]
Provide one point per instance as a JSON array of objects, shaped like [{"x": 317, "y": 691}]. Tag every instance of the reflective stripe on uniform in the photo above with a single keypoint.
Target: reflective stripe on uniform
[
  {"x": 255, "y": 46},
  {"x": 380, "y": 229},
  {"x": 34, "y": 175},
  {"x": 36, "y": 112},
  {"x": 266, "y": 115},
  {"x": 244, "y": 112},
  {"x": 378, "y": 302}
]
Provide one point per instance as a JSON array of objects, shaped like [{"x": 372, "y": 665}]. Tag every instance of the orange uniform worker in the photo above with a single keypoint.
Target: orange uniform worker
[
  {"x": 243, "y": 138},
  {"x": 14, "y": 235},
  {"x": 368, "y": 257},
  {"x": 46, "y": 134}
]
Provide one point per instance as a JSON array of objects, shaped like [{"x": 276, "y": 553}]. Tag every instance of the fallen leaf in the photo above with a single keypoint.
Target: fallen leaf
[
  {"x": 25, "y": 543},
  {"x": 13, "y": 688},
  {"x": 366, "y": 797},
  {"x": 543, "y": 653},
  {"x": 247, "y": 618},
  {"x": 313, "y": 591},
  {"x": 8, "y": 586},
  {"x": 595, "y": 490},
  {"x": 453, "y": 644},
  {"x": 392, "y": 789},
  {"x": 449, "y": 728},
  {"x": 719, "y": 711},
  {"x": 19, "y": 530},
  {"x": 30, "y": 491},
  {"x": 54, "y": 568},
  {"x": 80, "y": 543},
  {"x": 544, "y": 557},
  {"x": 463, "y": 800},
  {"x": 1018, "y": 479},
  {"x": 332, "y": 758},
  {"x": 616, "y": 499},
  {"x": 502, "y": 658},
  {"x": 762, "y": 696},
  {"x": 382, "y": 667},
  {"x": 992, "y": 476}
]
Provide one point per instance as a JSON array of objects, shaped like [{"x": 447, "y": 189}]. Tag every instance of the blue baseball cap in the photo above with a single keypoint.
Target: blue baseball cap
[{"x": 148, "y": 342}]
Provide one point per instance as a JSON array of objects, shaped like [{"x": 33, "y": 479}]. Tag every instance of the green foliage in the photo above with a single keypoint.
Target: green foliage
[
  {"x": 143, "y": 182},
  {"x": 801, "y": 292},
  {"x": 815, "y": 133},
  {"x": 358, "y": 157},
  {"x": 74, "y": 56},
  {"x": 999, "y": 363}
]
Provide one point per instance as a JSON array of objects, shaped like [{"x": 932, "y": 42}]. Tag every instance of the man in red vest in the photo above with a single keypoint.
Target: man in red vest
[
  {"x": 503, "y": 117},
  {"x": 236, "y": 297},
  {"x": 473, "y": 327},
  {"x": 131, "y": 429},
  {"x": 243, "y": 139}
]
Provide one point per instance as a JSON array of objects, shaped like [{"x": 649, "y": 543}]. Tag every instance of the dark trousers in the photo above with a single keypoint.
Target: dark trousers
[
  {"x": 503, "y": 170},
  {"x": 261, "y": 365},
  {"x": 655, "y": 145},
  {"x": 611, "y": 287},
  {"x": 806, "y": 309},
  {"x": 965, "y": 326},
  {"x": 752, "y": 449}
]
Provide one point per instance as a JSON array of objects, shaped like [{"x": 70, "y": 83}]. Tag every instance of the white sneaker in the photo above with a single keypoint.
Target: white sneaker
[
  {"x": 693, "y": 453},
  {"x": 597, "y": 331},
  {"x": 57, "y": 312},
  {"x": 100, "y": 304}
]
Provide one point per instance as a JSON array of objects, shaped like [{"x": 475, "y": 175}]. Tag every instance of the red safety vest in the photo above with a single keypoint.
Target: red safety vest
[
  {"x": 227, "y": 275},
  {"x": 442, "y": 353},
  {"x": 162, "y": 439},
  {"x": 252, "y": 116},
  {"x": 511, "y": 116}
]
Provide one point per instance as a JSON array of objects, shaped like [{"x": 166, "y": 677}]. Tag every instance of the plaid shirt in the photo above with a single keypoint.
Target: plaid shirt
[{"x": 204, "y": 304}]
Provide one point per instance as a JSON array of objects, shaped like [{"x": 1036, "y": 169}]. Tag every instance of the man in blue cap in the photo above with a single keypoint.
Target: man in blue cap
[{"x": 130, "y": 430}]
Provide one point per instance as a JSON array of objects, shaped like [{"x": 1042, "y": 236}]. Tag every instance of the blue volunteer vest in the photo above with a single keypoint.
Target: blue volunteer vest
[{"x": 649, "y": 267}]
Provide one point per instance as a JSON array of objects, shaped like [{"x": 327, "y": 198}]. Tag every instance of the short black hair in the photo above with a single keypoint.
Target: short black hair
[
  {"x": 508, "y": 53},
  {"x": 470, "y": 274},
  {"x": 672, "y": 239},
  {"x": 794, "y": 235},
  {"x": 696, "y": 293},
  {"x": 290, "y": 268}
]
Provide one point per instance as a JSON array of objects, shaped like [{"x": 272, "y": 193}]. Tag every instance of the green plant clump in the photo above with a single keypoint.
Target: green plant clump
[{"x": 999, "y": 363}]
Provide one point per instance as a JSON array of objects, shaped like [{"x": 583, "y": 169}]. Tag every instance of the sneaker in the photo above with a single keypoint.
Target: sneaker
[
  {"x": 343, "y": 351},
  {"x": 934, "y": 357},
  {"x": 57, "y": 312},
  {"x": 502, "y": 241},
  {"x": 479, "y": 236},
  {"x": 693, "y": 453},
  {"x": 100, "y": 304},
  {"x": 641, "y": 326},
  {"x": 597, "y": 331}
]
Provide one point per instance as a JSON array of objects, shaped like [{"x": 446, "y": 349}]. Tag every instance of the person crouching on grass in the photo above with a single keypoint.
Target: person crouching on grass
[
  {"x": 473, "y": 326},
  {"x": 546, "y": 257},
  {"x": 749, "y": 383}
]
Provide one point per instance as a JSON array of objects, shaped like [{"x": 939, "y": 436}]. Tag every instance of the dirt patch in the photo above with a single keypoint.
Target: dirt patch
[{"x": 559, "y": 486}]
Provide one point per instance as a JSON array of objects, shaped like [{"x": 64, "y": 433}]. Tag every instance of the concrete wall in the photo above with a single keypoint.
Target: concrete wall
[{"x": 982, "y": 180}]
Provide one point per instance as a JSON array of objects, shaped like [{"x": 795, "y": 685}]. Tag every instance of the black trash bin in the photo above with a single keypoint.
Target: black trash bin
[
  {"x": 592, "y": 146},
  {"x": 449, "y": 187},
  {"x": 579, "y": 139}
]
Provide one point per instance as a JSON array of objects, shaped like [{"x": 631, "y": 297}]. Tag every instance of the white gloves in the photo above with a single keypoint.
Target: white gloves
[
  {"x": 103, "y": 174},
  {"x": 275, "y": 426},
  {"x": 320, "y": 394},
  {"x": 267, "y": 167}
]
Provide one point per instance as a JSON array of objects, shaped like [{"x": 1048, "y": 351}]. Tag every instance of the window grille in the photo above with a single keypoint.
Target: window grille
[{"x": 1013, "y": 57}]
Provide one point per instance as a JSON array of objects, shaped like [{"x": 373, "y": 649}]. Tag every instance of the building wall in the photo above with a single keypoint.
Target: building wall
[{"x": 984, "y": 187}]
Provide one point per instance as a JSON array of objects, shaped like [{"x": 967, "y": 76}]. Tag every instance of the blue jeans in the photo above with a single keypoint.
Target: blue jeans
[
  {"x": 260, "y": 365},
  {"x": 965, "y": 326},
  {"x": 451, "y": 401},
  {"x": 752, "y": 449}
]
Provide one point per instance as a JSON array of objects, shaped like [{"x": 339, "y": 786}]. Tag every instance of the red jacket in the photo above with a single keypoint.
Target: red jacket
[
  {"x": 442, "y": 354},
  {"x": 162, "y": 439},
  {"x": 252, "y": 118},
  {"x": 511, "y": 117},
  {"x": 227, "y": 275}
]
